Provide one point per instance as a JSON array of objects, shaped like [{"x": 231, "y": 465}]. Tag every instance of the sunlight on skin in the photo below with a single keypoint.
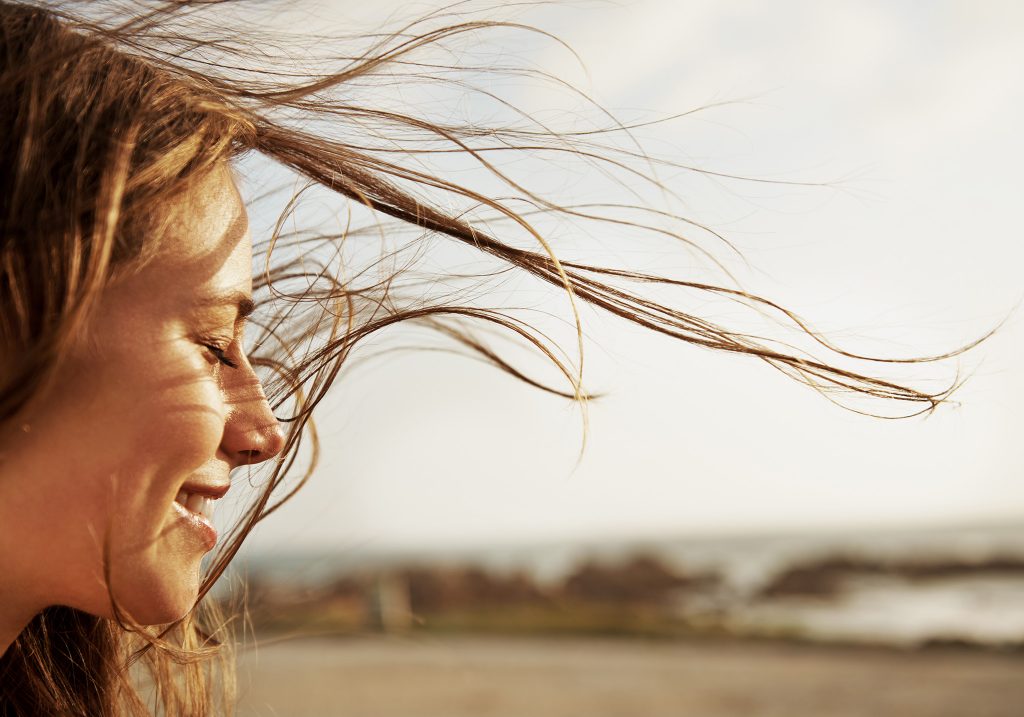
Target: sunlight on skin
[{"x": 143, "y": 406}]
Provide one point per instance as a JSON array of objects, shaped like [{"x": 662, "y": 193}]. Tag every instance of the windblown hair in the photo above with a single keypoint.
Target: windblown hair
[{"x": 106, "y": 120}]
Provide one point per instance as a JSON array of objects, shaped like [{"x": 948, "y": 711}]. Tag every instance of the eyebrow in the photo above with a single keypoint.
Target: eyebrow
[{"x": 242, "y": 302}]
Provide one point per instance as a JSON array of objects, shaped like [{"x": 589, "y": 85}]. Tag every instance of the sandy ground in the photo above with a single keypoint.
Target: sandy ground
[{"x": 494, "y": 677}]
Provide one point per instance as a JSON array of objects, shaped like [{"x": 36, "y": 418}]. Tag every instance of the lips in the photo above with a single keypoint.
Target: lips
[
  {"x": 194, "y": 506},
  {"x": 197, "y": 503},
  {"x": 198, "y": 498}
]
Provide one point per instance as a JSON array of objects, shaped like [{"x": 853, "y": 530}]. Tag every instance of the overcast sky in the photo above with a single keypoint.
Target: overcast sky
[{"x": 918, "y": 108}]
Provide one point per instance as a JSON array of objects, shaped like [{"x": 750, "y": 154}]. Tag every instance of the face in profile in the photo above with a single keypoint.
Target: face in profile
[{"x": 131, "y": 448}]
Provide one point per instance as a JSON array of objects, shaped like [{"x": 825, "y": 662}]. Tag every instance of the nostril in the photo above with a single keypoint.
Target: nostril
[
  {"x": 251, "y": 438},
  {"x": 250, "y": 456}
]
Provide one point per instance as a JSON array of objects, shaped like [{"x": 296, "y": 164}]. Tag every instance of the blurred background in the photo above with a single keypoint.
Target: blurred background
[{"x": 729, "y": 542}]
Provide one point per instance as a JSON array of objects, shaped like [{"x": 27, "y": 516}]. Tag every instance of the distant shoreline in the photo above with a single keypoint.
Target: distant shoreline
[{"x": 907, "y": 590}]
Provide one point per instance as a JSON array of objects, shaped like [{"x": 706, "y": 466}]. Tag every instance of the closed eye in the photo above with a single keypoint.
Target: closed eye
[{"x": 221, "y": 355}]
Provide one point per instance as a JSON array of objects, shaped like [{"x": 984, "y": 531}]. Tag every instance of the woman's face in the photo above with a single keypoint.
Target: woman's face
[{"x": 147, "y": 409}]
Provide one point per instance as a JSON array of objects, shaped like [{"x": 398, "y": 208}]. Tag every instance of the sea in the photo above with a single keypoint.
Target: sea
[{"x": 981, "y": 606}]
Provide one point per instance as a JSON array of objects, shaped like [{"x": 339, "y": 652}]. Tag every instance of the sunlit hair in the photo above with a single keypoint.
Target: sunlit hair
[{"x": 105, "y": 121}]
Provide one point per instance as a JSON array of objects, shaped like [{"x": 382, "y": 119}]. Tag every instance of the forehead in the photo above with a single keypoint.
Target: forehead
[
  {"x": 207, "y": 227},
  {"x": 203, "y": 252}
]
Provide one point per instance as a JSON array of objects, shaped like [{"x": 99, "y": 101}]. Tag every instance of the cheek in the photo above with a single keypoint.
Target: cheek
[
  {"x": 157, "y": 432},
  {"x": 180, "y": 428},
  {"x": 109, "y": 456},
  {"x": 137, "y": 419}
]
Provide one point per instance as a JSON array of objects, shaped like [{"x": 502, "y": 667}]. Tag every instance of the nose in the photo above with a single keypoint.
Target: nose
[{"x": 252, "y": 434}]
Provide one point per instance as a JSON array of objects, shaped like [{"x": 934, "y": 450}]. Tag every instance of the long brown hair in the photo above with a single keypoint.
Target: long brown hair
[{"x": 106, "y": 119}]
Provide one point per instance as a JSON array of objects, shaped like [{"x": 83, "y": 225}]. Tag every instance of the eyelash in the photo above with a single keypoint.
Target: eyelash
[{"x": 221, "y": 355}]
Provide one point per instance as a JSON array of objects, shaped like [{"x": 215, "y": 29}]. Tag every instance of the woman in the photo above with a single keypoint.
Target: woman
[{"x": 127, "y": 398}]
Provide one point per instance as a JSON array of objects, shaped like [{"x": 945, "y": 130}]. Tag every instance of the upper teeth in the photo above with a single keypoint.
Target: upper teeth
[{"x": 197, "y": 503}]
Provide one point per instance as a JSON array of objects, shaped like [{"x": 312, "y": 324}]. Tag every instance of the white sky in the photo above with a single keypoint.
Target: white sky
[{"x": 920, "y": 105}]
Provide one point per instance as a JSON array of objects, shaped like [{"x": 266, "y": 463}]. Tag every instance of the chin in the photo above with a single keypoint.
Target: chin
[{"x": 158, "y": 598}]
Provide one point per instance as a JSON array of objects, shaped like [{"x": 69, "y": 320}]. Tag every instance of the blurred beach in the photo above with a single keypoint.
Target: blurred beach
[
  {"x": 903, "y": 623},
  {"x": 430, "y": 676},
  {"x": 906, "y": 589}
]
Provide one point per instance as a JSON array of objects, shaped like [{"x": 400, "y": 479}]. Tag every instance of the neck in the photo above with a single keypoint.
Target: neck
[
  {"x": 17, "y": 603},
  {"x": 19, "y": 593}
]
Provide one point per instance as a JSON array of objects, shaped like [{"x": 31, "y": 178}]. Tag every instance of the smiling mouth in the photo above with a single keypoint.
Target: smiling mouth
[{"x": 197, "y": 504}]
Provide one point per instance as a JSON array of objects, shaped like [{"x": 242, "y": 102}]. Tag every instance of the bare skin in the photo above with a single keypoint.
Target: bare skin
[{"x": 146, "y": 404}]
